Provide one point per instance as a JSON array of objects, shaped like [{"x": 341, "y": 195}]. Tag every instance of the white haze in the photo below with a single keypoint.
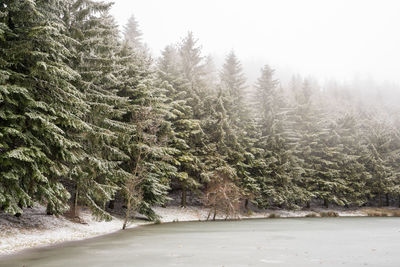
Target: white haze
[{"x": 340, "y": 39}]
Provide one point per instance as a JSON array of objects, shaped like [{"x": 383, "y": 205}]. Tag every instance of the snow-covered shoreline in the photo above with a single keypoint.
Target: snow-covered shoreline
[
  {"x": 35, "y": 229},
  {"x": 178, "y": 214}
]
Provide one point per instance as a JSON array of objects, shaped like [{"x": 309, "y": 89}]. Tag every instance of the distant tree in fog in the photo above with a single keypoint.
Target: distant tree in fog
[{"x": 132, "y": 34}]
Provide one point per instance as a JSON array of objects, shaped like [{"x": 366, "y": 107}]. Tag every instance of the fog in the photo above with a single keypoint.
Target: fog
[{"x": 342, "y": 40}]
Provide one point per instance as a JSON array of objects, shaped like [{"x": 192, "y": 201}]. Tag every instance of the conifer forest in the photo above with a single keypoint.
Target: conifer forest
[{"x": 89, "y": 117}]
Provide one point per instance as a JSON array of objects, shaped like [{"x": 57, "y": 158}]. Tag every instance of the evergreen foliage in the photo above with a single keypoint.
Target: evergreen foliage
[
  {"x": 132, "y": 34},
  {"x": 238, "y": 126},
  {"x": 39, "y": 107},
  {"x": 150, "y": 159},
  {"x": 96, "y": 45},
  {"x": 188, "y": 133},
  {"x": 88, "y": 117},
  {"x": 274, "y": 167}
]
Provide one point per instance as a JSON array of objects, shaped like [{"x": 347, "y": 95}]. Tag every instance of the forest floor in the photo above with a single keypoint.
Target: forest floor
[{"x": 34, "y": 228}]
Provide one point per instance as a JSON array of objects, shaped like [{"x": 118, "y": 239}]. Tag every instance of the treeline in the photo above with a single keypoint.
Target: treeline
[{"x": 86, "y": 116}]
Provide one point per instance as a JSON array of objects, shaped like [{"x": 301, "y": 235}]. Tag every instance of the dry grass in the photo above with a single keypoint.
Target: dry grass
[
  {"x": 396, "y": 213},
  {"x": 329, "y": 214},
  {"x": 249, "y": 213},
  {"x": 311, "y": 215},
  {"x": 377, "y": 214},
  {"x": 382, "y": 212}
]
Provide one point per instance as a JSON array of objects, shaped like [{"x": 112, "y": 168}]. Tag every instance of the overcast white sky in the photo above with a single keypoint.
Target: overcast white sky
[{"x": 325, "y": 38}]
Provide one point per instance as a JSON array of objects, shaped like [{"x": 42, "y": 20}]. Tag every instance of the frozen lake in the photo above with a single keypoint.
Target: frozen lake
[{"x": 262, "y": 242}]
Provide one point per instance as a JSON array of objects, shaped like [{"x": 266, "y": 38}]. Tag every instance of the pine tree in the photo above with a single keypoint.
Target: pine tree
[
  {"x": 40, "y": 107},
  {"x": 191, "y": 65},
  {"x": 268, "y": 100},
  {"x": 210, "y": 73},
  {"x": 96, "y": 46},
  {"x": 302, "y": 136},
  {"x": 187, "y": 131},
  {"x": 132, "y": 34},
  {"x": 346, "y": 137},
  {"x": 323, "y": 171},
  {"x": 378, "y": 141},
  {"x": 273, "y": 168},
  {"x": 219, "y": 149},
  {"x": 327, "y": 153},
  {"x": 241, "y": 126},
  {"x": 150, "y": 159},
  {"x": 168, "y": 65},
  {"x": 233, "y": 82}
]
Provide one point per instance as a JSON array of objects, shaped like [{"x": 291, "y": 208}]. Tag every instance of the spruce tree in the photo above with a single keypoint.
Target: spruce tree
[
  {"x": 241, "y": 126},
  {"x": 188, "y": 134},
  {"x": 377, "y": 160},
  {"x": 273, "y": 168},
  {"x": 350, "y": 149},
  {"x": 191, "y": 61},
  {"x": 191, "y": 65},
  {"x": 40, "y": 106},
  {"x": 150, "y": 158},
  {"x": 132, "y": 34},
  {"x": 95, "y": 49},
  {"x": 233, "y": 82},
  {"x": 302, "y": 136}
]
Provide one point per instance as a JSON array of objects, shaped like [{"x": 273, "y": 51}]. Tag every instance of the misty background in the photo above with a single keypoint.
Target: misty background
[{"x": 347, "y": 41}]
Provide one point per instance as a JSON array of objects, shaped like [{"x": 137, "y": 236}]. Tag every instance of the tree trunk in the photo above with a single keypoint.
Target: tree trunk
[
  {"x": 326, "y": 203},
  {"x": 183, "y": 198},
  {"x": 308, "y": 205},
  {"x": 387, "y": 200},
  {"x": 49, "y": 211},
  {"x": 215, "y": 213},
  {"x": 380, "y": 199},
  {"x": 209, "y": 214},
  {"x": 127, "y": 214},
  {"x": 111, "y": 204},
  {"x": 399, "y": 200},
  {"x": 246, "y": 204},
  {"x": 18, "y": 214},
  {"x": 74, "y": 209}
]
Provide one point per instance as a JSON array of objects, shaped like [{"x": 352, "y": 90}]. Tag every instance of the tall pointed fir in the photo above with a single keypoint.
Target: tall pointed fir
[
  {"x": 191, "y": 65},
  {"x": 151, "y": 159},
  {"x": 198, "y": 96},
  {"x": 318, "y": 144},
  {"x": 221, "y": 173},
  {"x": 378, "y": 159},
  {"x": 188, "y": 133},
  {"x": 133, "y": 37},
  {"x": 350, "y": 152},
  {"x": 233, "y": 96},
  {"x": 321, "y": 163},
  {"x": 273, "y": 166},
  {"x": 95, "y": 58},
  {"x": 302, "y": 135}
]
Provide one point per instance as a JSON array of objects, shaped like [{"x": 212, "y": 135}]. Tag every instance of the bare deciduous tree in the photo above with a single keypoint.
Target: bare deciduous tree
[{"x": 223, "y": 196}]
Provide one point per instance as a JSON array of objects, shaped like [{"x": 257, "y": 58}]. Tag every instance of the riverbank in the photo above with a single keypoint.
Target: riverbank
[{"x": 35, "y": 228}]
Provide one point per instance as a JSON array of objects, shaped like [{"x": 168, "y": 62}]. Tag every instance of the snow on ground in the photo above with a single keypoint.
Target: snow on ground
[
  {"x": 34, "y": 228},
  {"x": 179, "y": 214}
]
